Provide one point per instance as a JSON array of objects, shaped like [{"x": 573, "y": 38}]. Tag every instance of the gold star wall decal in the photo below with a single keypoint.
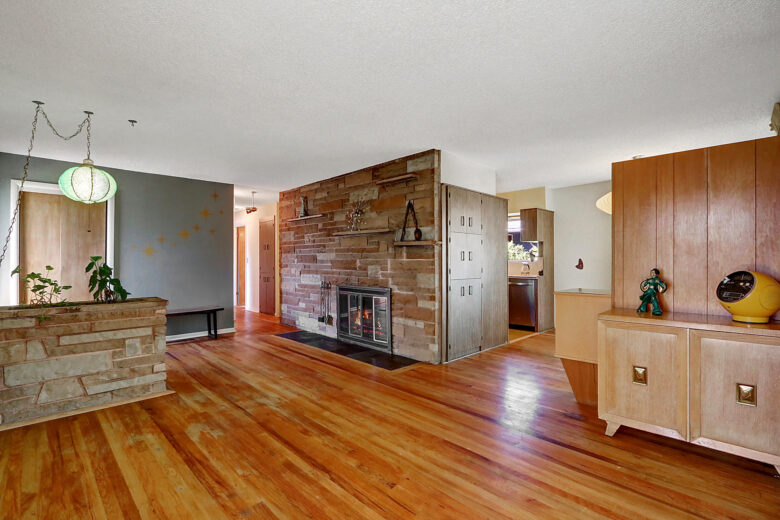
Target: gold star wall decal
[
  {"x": 212, "y": 230},
  {"x": 221, "y": 211},
  {"x": 173, "y": 244},
  {"x": 215, "y": 195},
  {"x": 184, "y": 234},
  {"x": 134, "y": 246},
  {"x": 196, "y": 227},
  {"x": 206, "y": 213},
  {"x": 148, "y": 251},
  {"x": 161, "y": 239}
]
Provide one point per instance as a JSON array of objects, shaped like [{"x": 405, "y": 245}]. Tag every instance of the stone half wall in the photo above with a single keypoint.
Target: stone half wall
[
  {"x": 79, "y": 356},
  {"x": 310, "y": 253}
]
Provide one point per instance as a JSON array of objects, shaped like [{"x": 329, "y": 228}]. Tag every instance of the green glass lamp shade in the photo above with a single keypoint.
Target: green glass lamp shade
[{"x": 87, "y": 184}]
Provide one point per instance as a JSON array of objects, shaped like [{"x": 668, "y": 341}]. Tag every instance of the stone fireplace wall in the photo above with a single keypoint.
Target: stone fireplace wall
[{"x": 310, "y": 253}]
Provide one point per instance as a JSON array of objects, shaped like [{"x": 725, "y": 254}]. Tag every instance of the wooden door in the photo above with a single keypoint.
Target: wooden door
[
  {"x": 719, "y": 363},
  {"x": 528, "y": 227},
  {"x": 457, "y": 209},
  {"x": 464, "y": 318},
  {"x": 495, "y": 303},
  {"x": 267, "y": 240},
  {"x": 240, "y": 266},
  {"x": 57, "y": 231},
  {"x": 659, "y": 403},
  {"x": 267, "y": 267},
  {"x": 465, "y": 256}
]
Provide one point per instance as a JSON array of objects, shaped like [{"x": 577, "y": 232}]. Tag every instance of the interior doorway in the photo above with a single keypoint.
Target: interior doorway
[
  {"x": 241, "y": 266},
  {"x": 53, "y": 230},
  {"x": 267, "y": 288}
]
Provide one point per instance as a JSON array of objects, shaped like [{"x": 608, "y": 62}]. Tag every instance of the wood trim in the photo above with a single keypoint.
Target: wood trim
[
  {"x": 412, "y": 243},
  {"x": 307, "y": 217},
  {"x": 397, "y": 178},
  {"x": 584, "y": 380},
  {"x": 362, "y": 232},
  {"x": 692, "y": 321}
]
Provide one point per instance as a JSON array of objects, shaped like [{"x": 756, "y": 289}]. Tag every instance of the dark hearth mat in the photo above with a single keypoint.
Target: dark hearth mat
[{"x": 342, "y": 348}]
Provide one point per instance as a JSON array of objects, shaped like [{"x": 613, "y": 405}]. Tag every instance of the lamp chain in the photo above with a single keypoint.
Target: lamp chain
[{"x": 39, "y": 110}]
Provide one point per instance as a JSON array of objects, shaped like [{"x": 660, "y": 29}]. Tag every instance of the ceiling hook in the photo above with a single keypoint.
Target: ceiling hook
[
  {"x": 132, "y": 122},
  {"x": 39, "y": 103}
]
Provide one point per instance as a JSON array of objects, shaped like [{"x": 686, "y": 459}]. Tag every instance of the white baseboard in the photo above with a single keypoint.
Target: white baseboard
[{"x": 191, "y": 335}]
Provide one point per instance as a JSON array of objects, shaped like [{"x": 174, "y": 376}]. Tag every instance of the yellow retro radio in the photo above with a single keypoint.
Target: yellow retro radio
[{"x": 749, "y": 296}]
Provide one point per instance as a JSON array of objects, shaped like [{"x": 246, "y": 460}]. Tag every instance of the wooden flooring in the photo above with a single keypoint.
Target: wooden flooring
[{"x": 261, "y": 427}]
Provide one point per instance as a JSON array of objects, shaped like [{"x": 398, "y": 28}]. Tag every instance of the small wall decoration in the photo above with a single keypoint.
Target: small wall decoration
[
  {"x": 304, "y": 207},
  {"x": 580, "y": 265},
  {"x": 417, "y": 230},
  {"x": 355, "y": 215},
  {"x": 651, "y": 288}
]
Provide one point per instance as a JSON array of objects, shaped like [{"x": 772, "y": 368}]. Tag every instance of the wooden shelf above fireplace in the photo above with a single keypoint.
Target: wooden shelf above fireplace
[
  {"x": 362, "y": 232},
  {"x": 408, "y": 243},
  {"x": 397, "y": 178},
  {"x": 307, "y": 217}
]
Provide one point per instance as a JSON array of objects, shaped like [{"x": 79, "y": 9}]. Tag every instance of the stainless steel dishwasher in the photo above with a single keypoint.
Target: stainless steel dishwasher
[{"x": 522, "y": 303}]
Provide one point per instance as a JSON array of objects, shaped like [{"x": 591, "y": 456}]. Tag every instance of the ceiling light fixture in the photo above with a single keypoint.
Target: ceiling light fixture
[
  {"x": 605, "y": 203},
  {"x": 86, "y": 183},
  {"x": 252, "y": 208}
]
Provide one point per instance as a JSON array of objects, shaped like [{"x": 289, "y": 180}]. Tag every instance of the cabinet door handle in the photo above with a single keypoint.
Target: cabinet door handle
[
  {"x": 470, "y": 256},
  {"x": 462, "y": 220},
  {"x": 463, "y": 291},
  {"x": 471, "y": 221},
  {"x": 639, "y": 375},
  {"x": 747, "y": 394},
  {"x": 462, "y": 256},
  {"x": 470, "y": 290}
]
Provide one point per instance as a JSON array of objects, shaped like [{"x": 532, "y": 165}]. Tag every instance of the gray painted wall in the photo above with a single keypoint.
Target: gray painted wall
[{"x": 196, "y": 271}]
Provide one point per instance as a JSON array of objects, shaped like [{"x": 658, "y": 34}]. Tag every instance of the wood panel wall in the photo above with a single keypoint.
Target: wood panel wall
[{"x": 697, "y": 216}]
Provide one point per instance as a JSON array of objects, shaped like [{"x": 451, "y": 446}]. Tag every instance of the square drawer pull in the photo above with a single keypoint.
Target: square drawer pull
[
  {"x": 639, "y": 375},
  {"x": 747, "y": 394}
]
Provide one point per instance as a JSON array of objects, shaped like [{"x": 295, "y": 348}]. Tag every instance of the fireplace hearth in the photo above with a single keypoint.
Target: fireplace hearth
[{"x": 364, "y": 316}]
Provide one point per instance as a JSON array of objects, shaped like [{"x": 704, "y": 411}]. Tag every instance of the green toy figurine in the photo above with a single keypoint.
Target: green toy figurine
[{"x": 651, "y": 288}]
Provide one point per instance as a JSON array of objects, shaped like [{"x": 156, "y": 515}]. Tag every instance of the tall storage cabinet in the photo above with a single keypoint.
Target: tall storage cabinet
[{"x": 475, "y": 271}]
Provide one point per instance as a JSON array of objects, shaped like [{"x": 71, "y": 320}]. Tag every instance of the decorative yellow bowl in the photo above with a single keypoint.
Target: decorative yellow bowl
[{"x": 749, "y": 296}]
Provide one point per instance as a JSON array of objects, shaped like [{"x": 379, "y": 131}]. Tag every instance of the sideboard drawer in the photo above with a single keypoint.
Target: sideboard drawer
[
  {"x": 735, "y": 391},
  {"x": 643, "y": 377}
]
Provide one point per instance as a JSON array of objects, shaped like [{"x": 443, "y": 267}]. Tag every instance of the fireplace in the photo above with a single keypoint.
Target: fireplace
[{"x": 364, "y": 317}]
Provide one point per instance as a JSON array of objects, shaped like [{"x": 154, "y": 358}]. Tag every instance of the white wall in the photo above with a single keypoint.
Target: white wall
[
  {"x": 251, "y": 223},
  {"x": 582, "y": 231},
  {"x": 459, "y": 171}
]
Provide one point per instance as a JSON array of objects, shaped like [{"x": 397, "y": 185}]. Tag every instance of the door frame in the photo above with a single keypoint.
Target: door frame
[
  {"x": 11, "y": 296},
  {"x": 238, "y": 260}
]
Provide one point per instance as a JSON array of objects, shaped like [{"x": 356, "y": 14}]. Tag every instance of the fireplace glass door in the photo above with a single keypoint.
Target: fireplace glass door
[{"x": 364, "y": 316}]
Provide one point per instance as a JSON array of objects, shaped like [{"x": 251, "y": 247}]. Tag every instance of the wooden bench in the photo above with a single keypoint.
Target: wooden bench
[{"x": 210, "y": 312}]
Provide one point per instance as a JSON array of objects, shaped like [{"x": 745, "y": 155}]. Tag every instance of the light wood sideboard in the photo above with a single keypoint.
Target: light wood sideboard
[{"x": 701, "y": 379}]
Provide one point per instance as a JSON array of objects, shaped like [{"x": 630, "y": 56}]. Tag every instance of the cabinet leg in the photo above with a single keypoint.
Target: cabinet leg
[
  {"x": 777, "y": 468},
  {"x": 611, "y": 428}
]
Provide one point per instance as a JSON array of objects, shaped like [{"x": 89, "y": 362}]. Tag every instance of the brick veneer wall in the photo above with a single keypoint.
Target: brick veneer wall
[
  {"x": 79, "y": 356},
  {"x": 311, "y": 254}
]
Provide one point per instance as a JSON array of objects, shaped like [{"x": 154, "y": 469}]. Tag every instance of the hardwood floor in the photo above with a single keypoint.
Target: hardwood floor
[{"x": 261, "y": 427}]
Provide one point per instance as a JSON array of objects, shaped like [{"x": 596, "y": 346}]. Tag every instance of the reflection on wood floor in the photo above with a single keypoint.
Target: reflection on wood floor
[{"x": 263, "y": 427}]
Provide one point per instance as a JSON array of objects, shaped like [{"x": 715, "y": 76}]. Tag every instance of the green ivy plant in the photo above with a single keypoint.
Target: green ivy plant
[
  {"x": 102, "y": 284},
  {"x": 518, "y": 252},
  {"x": 44, "y": 291}
]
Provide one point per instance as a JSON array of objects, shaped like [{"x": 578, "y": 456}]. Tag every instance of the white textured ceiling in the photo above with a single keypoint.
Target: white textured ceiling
[{"x": 275, "y": 94}]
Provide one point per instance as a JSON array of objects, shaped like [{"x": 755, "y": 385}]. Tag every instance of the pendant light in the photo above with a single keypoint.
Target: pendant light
[
  {"x": 86, "y": 183},
  {"x": 605, "y": 203},
  {"x": 252, "y": 208}
]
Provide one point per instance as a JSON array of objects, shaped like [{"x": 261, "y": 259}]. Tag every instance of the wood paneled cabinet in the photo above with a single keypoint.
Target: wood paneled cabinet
[
  {"x": 475, "y": 271},
  {"x": 698, "y": 379}
]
